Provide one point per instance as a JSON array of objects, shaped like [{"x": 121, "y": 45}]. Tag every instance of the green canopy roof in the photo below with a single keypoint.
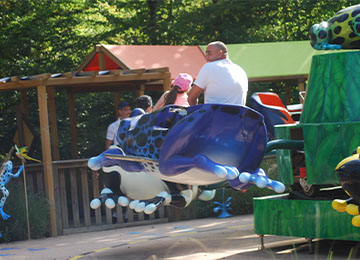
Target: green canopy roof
[{"x": 273, "y": 60}]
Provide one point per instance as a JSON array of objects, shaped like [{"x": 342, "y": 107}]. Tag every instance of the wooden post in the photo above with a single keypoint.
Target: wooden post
[
  {"x": 20, "y": 126},
  {"x": 24, "y": 103},
  {"x": 85, "y": 191},
  {"x": 141, "y": 91},
  {"x": 166, "y": 84},
  {"x": 57, "y": 192},
  {"x": 73, "y": 131},
  {"x": 96, "y": 193},
  {"x": 117, "y": 96},
  {"x": 288, "y": 94},
  {"x": 46, "y": 155},
  {"x": 53, "y": 125},
  {"x": 301, "y": 84},
  {"x": 63, "y": 198},
  {"x": 102, "y": 61}
]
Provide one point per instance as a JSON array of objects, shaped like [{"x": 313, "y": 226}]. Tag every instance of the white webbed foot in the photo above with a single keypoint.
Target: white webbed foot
[
  {"x": 261, "y": 180},
  {"x": 133, "y": 204},
  {"x": 123, "y": 201},
  {"x": 95, "y": 203},
  {"x": 207, "y": 195}
]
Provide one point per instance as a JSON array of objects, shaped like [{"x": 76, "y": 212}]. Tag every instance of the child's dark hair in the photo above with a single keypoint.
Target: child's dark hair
[
  {"x": 144, "y": 102},
  {"x": 171, "y": 96}
]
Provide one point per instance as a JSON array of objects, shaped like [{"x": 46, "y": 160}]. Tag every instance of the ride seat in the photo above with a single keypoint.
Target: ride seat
[{"x": 272, "y": 108}]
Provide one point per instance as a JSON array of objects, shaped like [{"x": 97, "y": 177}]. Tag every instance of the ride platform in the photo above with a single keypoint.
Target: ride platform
[{"x": 282, "y": 216}]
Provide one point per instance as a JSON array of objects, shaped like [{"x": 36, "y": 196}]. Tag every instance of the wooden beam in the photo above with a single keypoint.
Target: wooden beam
[
  {"x": 121, "y": 89},
  {"x": 141, "y": 91},
  {"x": 102, "y": 61},
  {"x": 117, "y": 96},
  {"x": 46, "y": 155},
  {"x": 301, "y": 84},
  {"x": 72, "y": 121},
  {"x": 87, "y": 60},
  {"x": 112, "y": 56},
  {"x": 111, "y": 78},
  {"x": 20, "y": 126},
  {"x": 288, "y": 94},
  {"x": 166, "y": 84},
  {"x": 116, "y": 78},
  {"x": 53, "y": 125},
  {"x": 24, "y": 103}
]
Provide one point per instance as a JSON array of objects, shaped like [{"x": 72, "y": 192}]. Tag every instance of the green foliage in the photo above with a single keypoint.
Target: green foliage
[
  {"x": 99, "y": 106},
  {"x": 50, "y": 36},
  {"x": 15, "y": 228}
]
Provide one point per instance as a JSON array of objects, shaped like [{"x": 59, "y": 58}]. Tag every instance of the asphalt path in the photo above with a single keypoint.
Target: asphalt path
[{"x": 211, "y": 238}]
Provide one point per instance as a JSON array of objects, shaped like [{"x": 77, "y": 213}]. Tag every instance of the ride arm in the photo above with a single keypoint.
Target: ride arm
[{"x": 284, "y": 144}]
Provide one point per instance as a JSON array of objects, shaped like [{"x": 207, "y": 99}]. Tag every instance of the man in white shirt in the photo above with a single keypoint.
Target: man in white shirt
[
  {"x": 222, "y": 81},
  {"x": 112, "y": 179},
  {"x": 124, "y": 111}
]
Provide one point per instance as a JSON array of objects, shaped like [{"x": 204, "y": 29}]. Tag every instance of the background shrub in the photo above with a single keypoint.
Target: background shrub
[{"x": 15, "y": 228}]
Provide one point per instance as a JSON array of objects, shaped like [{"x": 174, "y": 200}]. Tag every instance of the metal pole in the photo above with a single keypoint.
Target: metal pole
[{"x": 26, "y": 202}]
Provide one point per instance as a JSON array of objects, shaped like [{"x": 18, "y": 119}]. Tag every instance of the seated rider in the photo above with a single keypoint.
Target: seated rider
[{"x": 178, "y": 92}]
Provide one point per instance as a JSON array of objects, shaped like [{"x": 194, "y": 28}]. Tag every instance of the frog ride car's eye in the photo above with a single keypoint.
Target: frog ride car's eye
[
  {"x": 322, "y": 34},
  {"x": 357, "y": 27}
]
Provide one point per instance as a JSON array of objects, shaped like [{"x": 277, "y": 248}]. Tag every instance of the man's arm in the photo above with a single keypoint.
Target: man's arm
[
  {"x": 194, "y": 95},
  {"x": 108, "y": 143}
]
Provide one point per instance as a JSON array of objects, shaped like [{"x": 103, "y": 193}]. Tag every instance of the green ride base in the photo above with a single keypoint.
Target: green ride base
[{"x": 278, "y": 215}]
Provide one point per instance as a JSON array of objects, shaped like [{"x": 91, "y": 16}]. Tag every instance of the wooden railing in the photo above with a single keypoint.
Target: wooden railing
[{"x": 75, "y": 186}]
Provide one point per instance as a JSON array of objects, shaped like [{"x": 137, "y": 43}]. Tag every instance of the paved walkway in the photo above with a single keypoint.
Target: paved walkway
[
  {"x": 72, "y": 246},
  {"x": 211, "y": 238}
]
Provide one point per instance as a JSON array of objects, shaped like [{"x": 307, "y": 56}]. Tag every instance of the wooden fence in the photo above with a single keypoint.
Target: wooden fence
[{"x": 75, "y": 186}]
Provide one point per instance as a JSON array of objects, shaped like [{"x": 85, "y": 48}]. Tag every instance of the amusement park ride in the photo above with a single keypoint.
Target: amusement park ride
[
  {"x": 177, "y": 154},
  {"x": 317, "y": 206}
]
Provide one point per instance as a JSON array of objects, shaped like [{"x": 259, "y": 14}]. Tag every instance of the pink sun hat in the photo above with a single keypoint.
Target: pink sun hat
[{"x": 183, "y": 81}]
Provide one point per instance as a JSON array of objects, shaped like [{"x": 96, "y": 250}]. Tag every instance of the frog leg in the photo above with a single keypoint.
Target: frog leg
[
  {"x": 349, "y": 206},
  {"x": 206, "y": 195},
  {"x": 150, "y": 206},
  {"x": 179, "y": 164},
  {"x": 261, "y": 180},
  {"x": 180, "y": 196},
  {"x": 97, "y": 162},
  {"x": 327, "y": 46},
  {"x": 341, "y": 205},
  {"x": 106, "y": 197},
  {"x": 5, "y": 193}
]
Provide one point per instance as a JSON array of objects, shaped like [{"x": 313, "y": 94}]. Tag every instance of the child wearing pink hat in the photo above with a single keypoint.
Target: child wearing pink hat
[{"x": 177, "y": 95}]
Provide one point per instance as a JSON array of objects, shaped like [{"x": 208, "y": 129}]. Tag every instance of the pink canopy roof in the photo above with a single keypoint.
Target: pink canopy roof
[{"x": 179, "y": 59}]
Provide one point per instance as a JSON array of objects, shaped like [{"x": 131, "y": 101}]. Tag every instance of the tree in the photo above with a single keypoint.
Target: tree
[{"x": 55, "y": 36}]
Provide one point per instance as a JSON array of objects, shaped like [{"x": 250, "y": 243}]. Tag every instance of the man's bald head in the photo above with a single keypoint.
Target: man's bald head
[{"x": 216, "y": 51}]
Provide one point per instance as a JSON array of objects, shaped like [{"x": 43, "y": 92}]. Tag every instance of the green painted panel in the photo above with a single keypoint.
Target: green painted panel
[
  {"x": 283, "y": 156},
  {"x": 333, "y": 92},
  {"x": 325, "y": 146},
  {"x": 284, "y": 162},
  {"x": 277, "y": 215}
]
